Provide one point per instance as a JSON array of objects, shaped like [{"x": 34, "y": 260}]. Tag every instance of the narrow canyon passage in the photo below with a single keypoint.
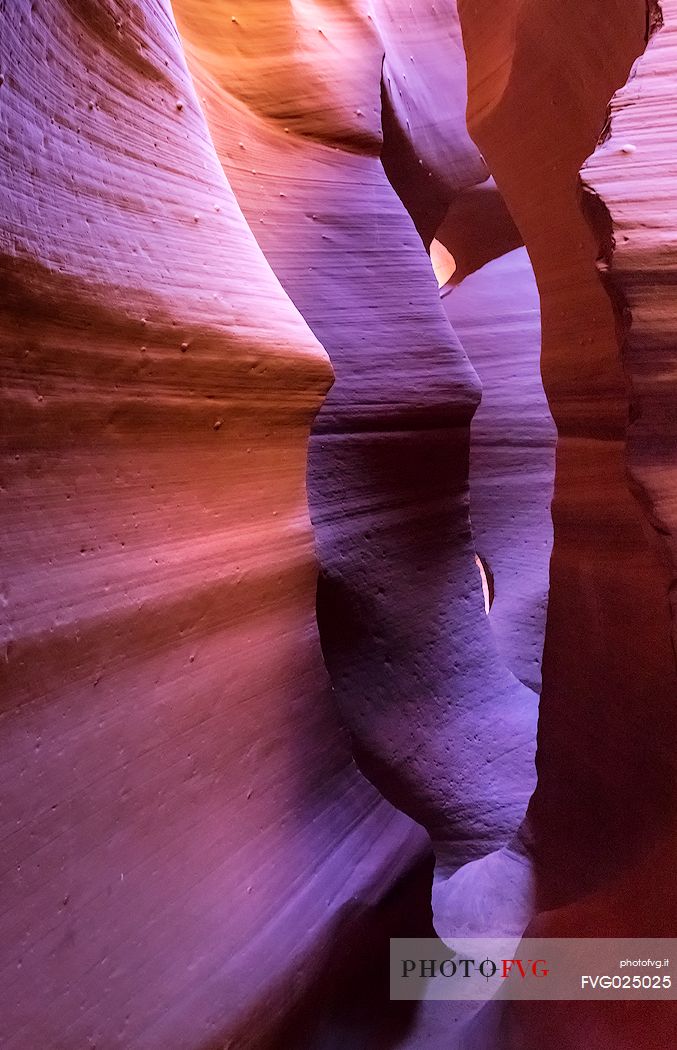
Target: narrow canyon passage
[
  {"x": 339, "y": 501},
  {"x": 495, "y": 311}
]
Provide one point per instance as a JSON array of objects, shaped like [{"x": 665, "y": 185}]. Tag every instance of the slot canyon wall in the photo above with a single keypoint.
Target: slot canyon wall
[
  {"x": 179, "y": 800},
  {"x": 601, "y": 824},
  {"x": 250, "y": 689},
  {"x": 608, "y": 601}
]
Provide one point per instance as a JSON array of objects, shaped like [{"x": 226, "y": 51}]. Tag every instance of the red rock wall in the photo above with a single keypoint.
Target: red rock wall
[
  {"x": 601, "y": 826},
  {"x": 540, "y": 79}
]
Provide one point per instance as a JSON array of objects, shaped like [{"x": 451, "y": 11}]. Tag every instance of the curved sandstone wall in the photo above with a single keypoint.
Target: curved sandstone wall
[
  {"x": 437, "y": 720},
  {"x": 182, "y": 821}
]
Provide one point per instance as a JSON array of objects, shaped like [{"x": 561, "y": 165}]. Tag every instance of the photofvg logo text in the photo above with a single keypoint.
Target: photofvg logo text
[
  {"x": 468, "y": 968},
  {"x": 463, "y": 968},
  {"x": 531, "y": 968}
]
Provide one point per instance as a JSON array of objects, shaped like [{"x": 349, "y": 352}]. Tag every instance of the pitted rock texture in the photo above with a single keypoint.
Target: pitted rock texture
[{"x": 181, "y": 818}]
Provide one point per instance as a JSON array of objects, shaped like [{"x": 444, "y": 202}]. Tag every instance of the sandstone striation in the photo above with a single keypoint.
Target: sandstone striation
[{"x": 179, "y": 803}]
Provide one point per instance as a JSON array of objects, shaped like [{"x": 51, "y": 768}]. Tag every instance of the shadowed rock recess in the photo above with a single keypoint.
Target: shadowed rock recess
[{"x": 339, "y": 497}]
